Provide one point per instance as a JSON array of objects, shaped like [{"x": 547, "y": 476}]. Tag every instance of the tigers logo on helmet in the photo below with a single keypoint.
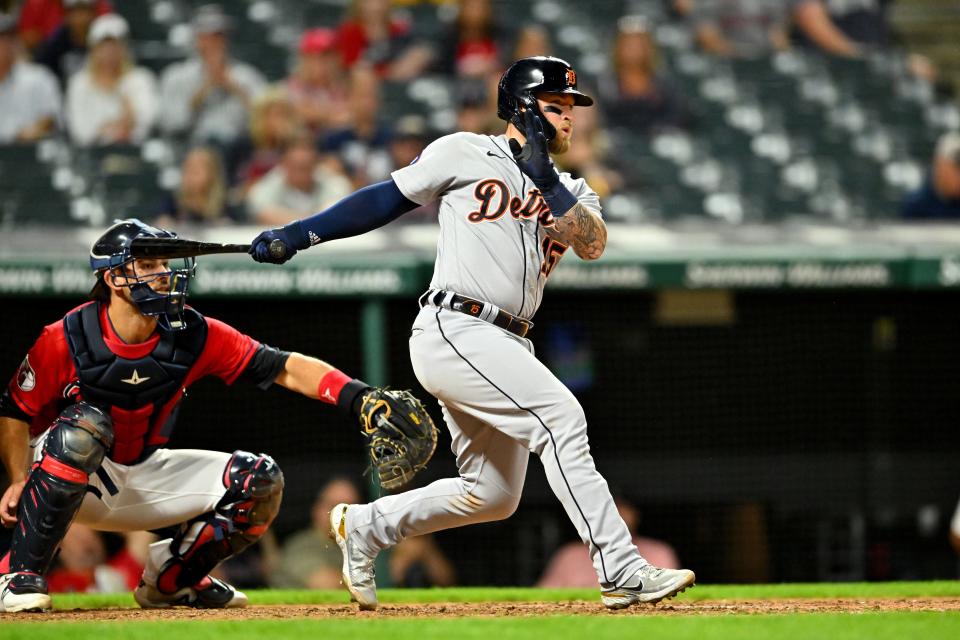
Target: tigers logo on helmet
[
  {"x": 571, "y": 78},
  {"x": 26, "y": 376}
]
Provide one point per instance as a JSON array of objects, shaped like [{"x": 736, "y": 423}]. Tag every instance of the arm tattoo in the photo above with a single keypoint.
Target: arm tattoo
[{"x": 581, "y": 229}]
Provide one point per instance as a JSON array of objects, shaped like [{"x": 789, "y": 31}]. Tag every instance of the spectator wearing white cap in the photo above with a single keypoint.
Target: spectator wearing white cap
[
  {"x": 65, "y": 51},
  {"x": 109, "y": 100},
  {"x": 208, "y": 96},
  {"x": 29, "y": 94}
]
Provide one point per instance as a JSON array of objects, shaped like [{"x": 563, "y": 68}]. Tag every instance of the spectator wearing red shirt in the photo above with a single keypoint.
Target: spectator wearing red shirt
[
  {"x": 317, "y": 87},
  {"x": 40, "y": 18},
  {"x": 371, "y": 34},
  {"x": 65, "y": 50}
]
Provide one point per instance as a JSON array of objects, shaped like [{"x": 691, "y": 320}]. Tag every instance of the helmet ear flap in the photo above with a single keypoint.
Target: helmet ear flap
[{"x": 516, "y": 119}]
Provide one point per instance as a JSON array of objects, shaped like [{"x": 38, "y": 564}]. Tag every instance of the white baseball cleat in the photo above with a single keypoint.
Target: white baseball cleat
[
  {"x": 209, "y": 593},
  {"x": 358, "y": 571},
  {"x": 23, "y": 591},
  {"x": 651, "y": 585}
]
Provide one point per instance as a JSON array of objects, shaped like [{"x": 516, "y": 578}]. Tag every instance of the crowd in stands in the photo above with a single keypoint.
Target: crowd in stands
[{"x": 259, "y": 151}]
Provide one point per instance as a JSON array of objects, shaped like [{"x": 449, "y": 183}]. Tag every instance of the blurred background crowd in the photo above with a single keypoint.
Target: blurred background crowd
[{"x": 261, "y": 111}]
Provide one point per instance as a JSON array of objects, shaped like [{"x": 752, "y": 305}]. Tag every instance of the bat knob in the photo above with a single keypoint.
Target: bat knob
[{"x": 278, "y": 249}]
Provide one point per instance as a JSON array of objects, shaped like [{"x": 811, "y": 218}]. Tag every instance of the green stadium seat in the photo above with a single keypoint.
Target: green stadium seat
[
  {"x": 270, "y": 60},
  {"x": 397, "y": 100},
  {"x": 427, "y": 23},
  {"x": 140, "y": 18},
  {"x": 20, "y": 166},
  {"x": 27, "y": 194},
  {"x": 321, "y": 14},
  {"x": 132, "y": 194},
  {"x": 47, "y": 207}
]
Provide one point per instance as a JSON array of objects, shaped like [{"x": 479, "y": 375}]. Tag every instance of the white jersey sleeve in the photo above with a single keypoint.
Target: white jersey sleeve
[
  {"x": 582, "y": 192},
  {"x": 433, "y": 173}
]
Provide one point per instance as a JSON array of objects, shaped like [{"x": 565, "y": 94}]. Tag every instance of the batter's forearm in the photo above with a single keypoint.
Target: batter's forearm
[
  {"x": 14, "y": 447},
  {"x": 581, "y": 229}
]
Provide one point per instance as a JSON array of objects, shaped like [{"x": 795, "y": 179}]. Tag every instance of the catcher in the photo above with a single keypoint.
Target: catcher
[{"x": 84, "y": 421}]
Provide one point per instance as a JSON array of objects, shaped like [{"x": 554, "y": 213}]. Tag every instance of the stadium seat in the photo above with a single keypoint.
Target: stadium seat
[
  {"x": 132, "y": 194},
  {"x": 139, "y": 15},
  {"x": 321, "y": 14},
  {"x": 20, "y": 166},
  {"x": 27, "y": 193}
]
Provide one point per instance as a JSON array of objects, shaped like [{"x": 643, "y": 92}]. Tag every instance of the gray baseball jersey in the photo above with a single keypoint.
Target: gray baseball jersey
[
  {"x": 492, "y": 243},
  {"x": 499, "y": 402}
]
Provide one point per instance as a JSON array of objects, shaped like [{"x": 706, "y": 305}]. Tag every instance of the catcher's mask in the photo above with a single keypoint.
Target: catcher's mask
[
  {"x": 110, "y": 258},
  {"x": 527, "y": 76}
]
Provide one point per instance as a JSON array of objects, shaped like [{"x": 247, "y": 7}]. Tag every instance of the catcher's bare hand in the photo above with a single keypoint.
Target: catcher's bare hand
[
  {"x": 400, "y": 435},
  {"x": 9, "y": 502}
]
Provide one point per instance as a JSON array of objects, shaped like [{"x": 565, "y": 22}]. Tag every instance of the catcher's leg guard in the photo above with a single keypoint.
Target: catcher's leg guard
[
  {"x": 254, "y": 490},
  {"x": 74, "y": 449}
]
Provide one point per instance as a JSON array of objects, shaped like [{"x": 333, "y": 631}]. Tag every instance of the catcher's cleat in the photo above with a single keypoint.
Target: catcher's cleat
[
  {"x": 651, "y": 585},
  {"x": 209, "y": 593},
  {"x": 23, "y": 591},
  {"x": 358, "y": 572}
]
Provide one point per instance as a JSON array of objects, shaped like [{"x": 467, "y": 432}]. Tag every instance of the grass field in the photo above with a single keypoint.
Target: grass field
[{"x": 836, "y": 611}]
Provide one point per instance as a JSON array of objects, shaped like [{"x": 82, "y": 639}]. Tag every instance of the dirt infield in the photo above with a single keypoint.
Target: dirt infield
[{"x": 504, "y": 609}]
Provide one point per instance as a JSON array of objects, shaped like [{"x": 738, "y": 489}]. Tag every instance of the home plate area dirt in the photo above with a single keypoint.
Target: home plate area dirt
[{"x": 504, "y": 609}]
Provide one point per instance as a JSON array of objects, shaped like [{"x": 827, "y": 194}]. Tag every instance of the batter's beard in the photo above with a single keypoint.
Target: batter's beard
[{"x": 559, "y": 146}]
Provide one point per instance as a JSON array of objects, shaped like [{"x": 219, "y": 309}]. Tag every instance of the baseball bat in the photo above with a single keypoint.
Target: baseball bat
[{"x": 183, "y": 248}]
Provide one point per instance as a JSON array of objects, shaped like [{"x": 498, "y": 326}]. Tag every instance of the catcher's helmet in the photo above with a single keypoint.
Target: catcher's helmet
[
  {"x": 525, "y": 77},
  {"x": 111, "y": 253}
]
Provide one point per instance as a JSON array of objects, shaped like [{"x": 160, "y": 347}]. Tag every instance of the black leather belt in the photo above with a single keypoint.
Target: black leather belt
[{"x": 477, "y": 309}]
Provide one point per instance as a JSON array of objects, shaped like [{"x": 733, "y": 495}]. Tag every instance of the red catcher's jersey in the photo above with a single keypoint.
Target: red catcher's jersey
[{"x": 47, "y": 379}]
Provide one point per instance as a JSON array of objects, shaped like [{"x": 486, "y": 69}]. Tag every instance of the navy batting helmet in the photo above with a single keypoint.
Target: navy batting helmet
[
  {"x": 527, "y": 76},
  {"x": 110, "y": 256}
]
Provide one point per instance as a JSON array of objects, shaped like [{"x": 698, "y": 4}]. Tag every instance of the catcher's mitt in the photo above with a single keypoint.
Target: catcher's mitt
[{"x": 400, "y": 434}]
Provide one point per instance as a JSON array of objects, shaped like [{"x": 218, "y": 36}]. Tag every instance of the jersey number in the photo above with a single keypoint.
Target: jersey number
[{"x": 552, "y": 251}]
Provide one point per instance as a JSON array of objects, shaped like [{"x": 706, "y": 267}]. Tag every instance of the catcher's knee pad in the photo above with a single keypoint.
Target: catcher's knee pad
[
  {"x": 78, "y": 440},
  {"x": 80, "y": 437},
  {"x": 254, "y": 491},
  {"x": 251, "y": 502}
]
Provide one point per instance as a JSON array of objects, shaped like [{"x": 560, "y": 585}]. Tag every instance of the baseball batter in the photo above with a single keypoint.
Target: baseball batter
[
  {"x": 506, "y": 219},
  {"x": 84, "y": 422}
]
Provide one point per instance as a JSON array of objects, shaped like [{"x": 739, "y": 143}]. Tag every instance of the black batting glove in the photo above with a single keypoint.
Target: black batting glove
[
  {"x": 278, "y": 245},
  {"x": 532, "y": 157},
  {"x": 534, "y": 161}
]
